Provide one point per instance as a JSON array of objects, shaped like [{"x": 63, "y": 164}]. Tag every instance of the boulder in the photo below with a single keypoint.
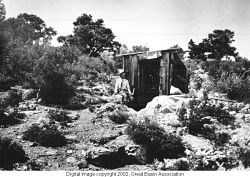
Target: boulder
[
  {"x": 104, "y": 135},
  {"x": 160, "y": 103},
  {"x": 181, "y": 164},
  {"x": 175, "y": 91},
  {"x": 114, "y": 154},
  {"x": 122, "y": 141},
  {"x": 71, "y": 160},
  {"x": 131, "y": 152},
  {"x": 97, "y": 152},
  {"x": 51, "y": 152},
  {"x": 73, "y": 115},
  {"x": 110, "y": 107},
  {"x": 115, "y": 99},
  {"x": 169, "y": 119},
  {"x": 43, "y": 121},
  {"x": 71, "y": 137},
  {"x": 196, "y": 144}
]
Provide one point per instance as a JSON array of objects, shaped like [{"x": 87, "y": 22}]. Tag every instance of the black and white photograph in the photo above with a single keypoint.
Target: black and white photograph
[{"x": 115, "y": 88}]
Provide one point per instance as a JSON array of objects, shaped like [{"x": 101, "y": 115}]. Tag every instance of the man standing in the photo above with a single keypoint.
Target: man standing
[{"x": 122, "y": 88}]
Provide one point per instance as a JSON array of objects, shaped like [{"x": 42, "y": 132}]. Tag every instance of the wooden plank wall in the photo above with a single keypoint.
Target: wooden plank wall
[
  {"x": 165, "y": 73},
  {"x": 131, "y": 66}
]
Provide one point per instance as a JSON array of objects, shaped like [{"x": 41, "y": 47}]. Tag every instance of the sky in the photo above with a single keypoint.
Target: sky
[{"x": 158, "y": 24}]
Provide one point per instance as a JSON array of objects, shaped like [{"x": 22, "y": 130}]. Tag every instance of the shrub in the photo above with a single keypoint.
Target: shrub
[
  {"x": 11, "y": 98},
  {"x": 55, "y": 90},
  {"x": 181, "y": 165},
  {"x": 157, "y": 143},
  {"x": 245, "y": 157},
  {"x": 59, "y": 116},
  {"x": 10, "y": 153},
  {"x": 119, "y": 117},
  {"x": 230, "y": 77},
  {"x": 235, "y": 87},
  {"x": 195, "y": 122},
  {"x": 221, "y": 138},
  {"x": 76, "y": 102},
  {"x": 7, "y": 119},
  {"x": 34, "y": 165},
  {"x": 203, "y": 108},
  {"x": 90, "y": 69},
  {"x": 6, "y": 82},
  {"x": 204, "y": 165},
  {"x": 47, "y": 136}
]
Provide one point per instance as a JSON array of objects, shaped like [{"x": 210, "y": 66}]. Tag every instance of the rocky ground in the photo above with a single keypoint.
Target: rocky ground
[{"x": 98, "y": 142}]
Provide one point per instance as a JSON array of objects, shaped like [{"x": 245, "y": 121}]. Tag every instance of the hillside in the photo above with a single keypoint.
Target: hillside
[{"x": 212, "y": 136}]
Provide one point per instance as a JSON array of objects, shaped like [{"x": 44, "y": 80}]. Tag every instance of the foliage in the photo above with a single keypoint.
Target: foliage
[
  {"x": 192, "y": 65},
  {"x": 47, "y": 136},
  {"x": 181, "y": 165},
  {"x": 2, "y": 11},
  {"x": 158, "y": 144},
  {"x": 234, "y": 86},
  {"x": 11, "y": 98},
  {"x": 123, "y": 49},
  {"x": 119, "y": 117},
  {"x": 217, "y": 44},
  {"x": 91, "y": 36},
  {"x": 76, "y": 102},
  {"x": 27, "y": 28},
  {"x": 139, "y": 48},
  {"x": 12, "y": 118},
  {"x": 245, "y": 157},
  {"x": 10, "y": 153},
  {"x": 90, "y": 68},
  {"x": 3, "y": 39},
  {"x": 221, "y": 138},
  {"x": 230, "y": 77},
  {"x": 204, "y": 165},
  {"x": 6, "y": 82},
  {"x": 195, "y": 120},
  {"x": 59, "y": 116},
  {"x": 55, "y": 90}
]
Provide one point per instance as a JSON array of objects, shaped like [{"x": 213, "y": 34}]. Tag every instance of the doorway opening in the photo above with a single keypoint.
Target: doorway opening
[{"x": 149, "y": 80}]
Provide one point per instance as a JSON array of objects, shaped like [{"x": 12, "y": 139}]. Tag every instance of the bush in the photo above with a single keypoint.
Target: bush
[
  {"x": 230, "y": 77},
  {"x": 47, "y": 136},
  {"x": 221, "y": 138},
  {"x": 157, "y": 143},
  {"x": 7, "y": 119},
  {"x": 181, "y": 165},
  {"x": 119, "y": 117},
  {"x": 245, "y": 157},
  {"x": 89, "y": 69},
  {"x": 76, "y": 102},
  {"x": 55, "y": 90},
  {"x": 235, "y": 87},
  {"x": 10, "y": 153},
  {"x": 11, "y": 98},
  {"x": 6, "y": 82},
  {"x": 59, "y": 116},
  {"x": 195, "y": 121}
]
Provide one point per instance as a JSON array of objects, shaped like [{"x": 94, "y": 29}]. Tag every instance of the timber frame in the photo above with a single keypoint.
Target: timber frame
[{"x": 133, "y": 65}]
